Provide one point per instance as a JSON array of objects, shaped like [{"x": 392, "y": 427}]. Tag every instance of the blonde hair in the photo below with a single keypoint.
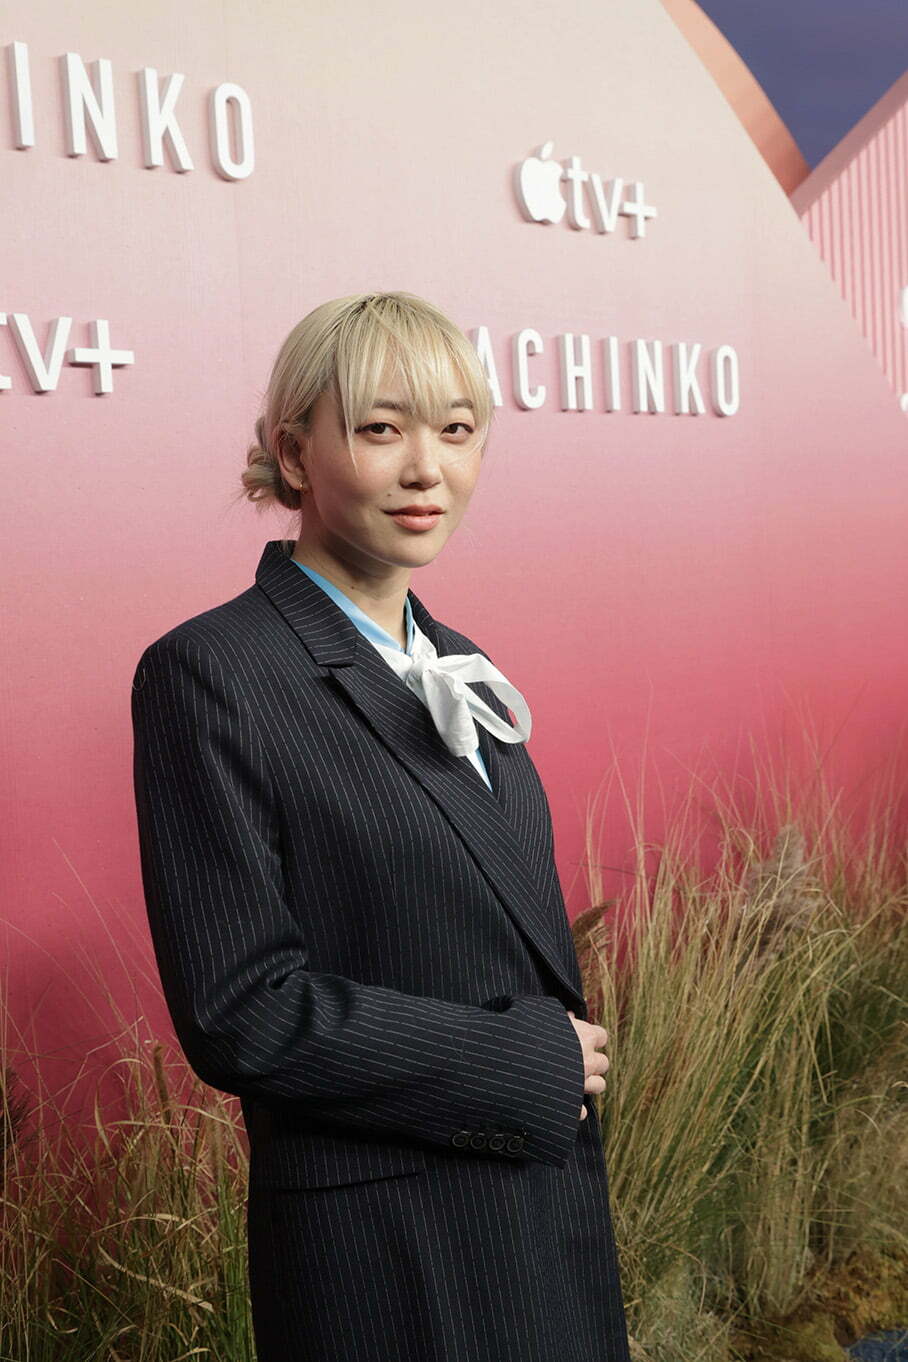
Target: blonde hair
[{"x": 345, "y": 346}]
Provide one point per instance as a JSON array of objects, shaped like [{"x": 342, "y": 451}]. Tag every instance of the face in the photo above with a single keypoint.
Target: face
[{"x": 400, "y": 462}]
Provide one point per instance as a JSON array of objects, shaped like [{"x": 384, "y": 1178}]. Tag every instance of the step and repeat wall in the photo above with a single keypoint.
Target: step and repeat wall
[{"x": 688, "y": 541}]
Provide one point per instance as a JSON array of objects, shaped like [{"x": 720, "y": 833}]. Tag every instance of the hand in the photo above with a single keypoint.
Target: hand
[{"x": 592, "y": 1039}]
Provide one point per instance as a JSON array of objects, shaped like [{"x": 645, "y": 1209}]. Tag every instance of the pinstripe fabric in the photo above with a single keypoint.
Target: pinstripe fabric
[{"x": 368, "y": 946}]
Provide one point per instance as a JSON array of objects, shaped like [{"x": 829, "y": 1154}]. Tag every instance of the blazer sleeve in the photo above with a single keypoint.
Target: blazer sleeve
[{"x": 251, "y": 1016}]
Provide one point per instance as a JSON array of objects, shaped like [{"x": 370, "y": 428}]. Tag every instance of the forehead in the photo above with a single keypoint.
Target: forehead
[
  {"x": 392, "y": 394},
  {"x": 388, "y": 402}
]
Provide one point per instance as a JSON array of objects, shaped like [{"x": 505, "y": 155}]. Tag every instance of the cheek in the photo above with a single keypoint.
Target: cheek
[
  {"x": 466, "y": 483},
  {"x": 350, "y": 498}
]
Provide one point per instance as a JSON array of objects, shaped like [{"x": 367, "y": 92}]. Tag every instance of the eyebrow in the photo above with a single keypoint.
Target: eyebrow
[{"x": 388, "y": 405}]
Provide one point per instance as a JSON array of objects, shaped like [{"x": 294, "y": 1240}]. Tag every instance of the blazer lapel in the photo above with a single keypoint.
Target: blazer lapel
[{"x": 402, "y": 722}]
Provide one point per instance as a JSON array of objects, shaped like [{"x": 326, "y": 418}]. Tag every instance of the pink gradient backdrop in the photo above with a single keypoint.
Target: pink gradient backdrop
[{"x": 677, "y": 582}]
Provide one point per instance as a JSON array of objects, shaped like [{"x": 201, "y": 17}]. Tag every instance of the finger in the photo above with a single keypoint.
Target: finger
[{"x": 583, "y": 1113}]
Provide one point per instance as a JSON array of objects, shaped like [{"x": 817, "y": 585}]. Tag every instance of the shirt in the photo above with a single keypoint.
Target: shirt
[{"x": 375, "y": 634}]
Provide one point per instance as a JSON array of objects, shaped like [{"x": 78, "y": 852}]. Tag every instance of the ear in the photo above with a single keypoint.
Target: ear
[{"x": 289, "y": 451}]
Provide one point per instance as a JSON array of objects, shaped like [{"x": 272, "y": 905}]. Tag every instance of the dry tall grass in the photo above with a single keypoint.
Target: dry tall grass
[
  {"x": 754, "y": 1123},
  {"x": 755, "y": 1112}
]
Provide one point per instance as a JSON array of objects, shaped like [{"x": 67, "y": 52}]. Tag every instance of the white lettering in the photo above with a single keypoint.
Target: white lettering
[{"x": 574, "y": 371}]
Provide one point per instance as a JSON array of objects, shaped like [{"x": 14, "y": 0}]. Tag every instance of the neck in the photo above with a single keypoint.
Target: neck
[{"x": 381, "y": 599}]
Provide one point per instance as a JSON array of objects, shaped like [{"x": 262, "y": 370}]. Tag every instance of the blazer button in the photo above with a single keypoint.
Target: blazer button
[
  {"x": 514, "y": 1144},
  {"x": 461, "y": 1138},
  {"x": 479, "y": 1140},
  {"x": 496, "y": 1142}
]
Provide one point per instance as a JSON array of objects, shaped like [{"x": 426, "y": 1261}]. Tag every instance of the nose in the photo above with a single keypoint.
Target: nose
[{"x": 422, "y": 461}]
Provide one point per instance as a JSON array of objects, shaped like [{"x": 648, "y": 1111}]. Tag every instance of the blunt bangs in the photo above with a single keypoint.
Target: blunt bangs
[{"x": 384, "y": 342}]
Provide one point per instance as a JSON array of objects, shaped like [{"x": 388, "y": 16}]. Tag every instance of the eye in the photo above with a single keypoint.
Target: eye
[{"x": 387, "y": 424}]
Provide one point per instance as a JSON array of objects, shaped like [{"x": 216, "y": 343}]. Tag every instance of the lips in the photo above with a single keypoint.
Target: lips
[
  {"x": 416, "y": 510},
  {"x": 416, "y": 522}
]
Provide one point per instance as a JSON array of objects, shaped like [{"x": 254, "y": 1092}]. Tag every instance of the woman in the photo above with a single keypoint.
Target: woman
[{"x": 347, "y": 862}]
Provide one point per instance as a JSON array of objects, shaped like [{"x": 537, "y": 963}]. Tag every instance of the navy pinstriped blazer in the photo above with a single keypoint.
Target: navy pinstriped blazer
[{"x": 354, "y": 934}]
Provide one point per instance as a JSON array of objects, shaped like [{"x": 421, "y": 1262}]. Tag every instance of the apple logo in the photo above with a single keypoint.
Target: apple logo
[{"x": 537, "y": 187}]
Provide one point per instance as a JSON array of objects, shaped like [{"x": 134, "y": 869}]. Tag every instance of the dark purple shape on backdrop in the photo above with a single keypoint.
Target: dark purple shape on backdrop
[{"x": 823, "y": 63}]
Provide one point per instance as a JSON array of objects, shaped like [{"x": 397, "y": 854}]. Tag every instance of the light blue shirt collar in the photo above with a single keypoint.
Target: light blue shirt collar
[{"x": 363, "y": 622}]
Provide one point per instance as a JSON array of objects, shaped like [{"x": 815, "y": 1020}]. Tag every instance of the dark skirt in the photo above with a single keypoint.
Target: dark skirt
[{"x": 471, "y": 1259}]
